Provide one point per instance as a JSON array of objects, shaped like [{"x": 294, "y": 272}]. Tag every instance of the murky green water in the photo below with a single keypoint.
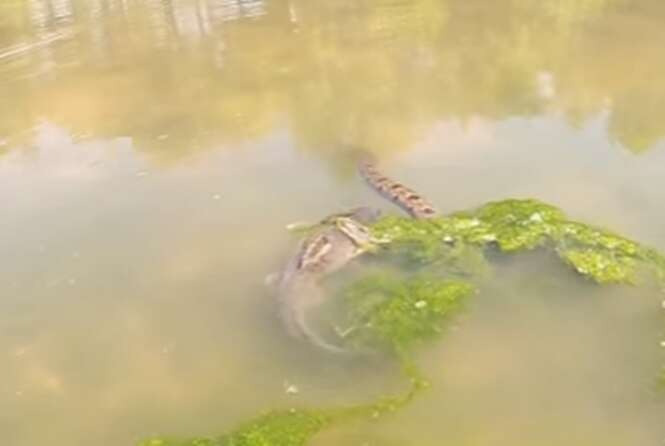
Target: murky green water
[{"x": 151, "y": 153}]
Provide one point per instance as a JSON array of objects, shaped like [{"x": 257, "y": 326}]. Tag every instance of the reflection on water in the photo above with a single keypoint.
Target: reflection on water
[
  {"x": 377, "y": 73},
  {"x": 131, "y": 295}
]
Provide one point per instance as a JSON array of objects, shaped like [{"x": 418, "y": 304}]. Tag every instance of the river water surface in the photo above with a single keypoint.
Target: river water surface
[{"x": 152, "y": 151}]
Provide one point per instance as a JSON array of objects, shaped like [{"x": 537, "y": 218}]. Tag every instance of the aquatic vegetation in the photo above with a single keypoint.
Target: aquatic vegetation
[
  {"x": 602, "y": 266},
  {"x": 408, "y": 311},
  {"x": 288, "y": 428},
  {"x": 519, "y": 225},
  {"x": 295, "y": 427},
  {"x": 398, "y": 312},
  {"x": 390, "y": 312},
  {"x": 193, "y": 442}
]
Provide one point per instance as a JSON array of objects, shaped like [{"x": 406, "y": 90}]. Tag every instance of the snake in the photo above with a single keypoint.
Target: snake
[{"x": 334, "y": 243}]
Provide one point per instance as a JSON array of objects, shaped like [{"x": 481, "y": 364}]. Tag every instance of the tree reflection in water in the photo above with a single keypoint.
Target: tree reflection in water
[{"x": 375, "y": 73}]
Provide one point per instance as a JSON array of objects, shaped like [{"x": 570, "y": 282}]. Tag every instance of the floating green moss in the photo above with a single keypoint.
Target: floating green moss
[
  {"x": 291, "y": 428},
  {"x": 512, "y": 224},
  {"x": 608, "y": 258},
  {"x": 602, "y": 266},
  {"x": 385, "y": 310},
  {"x": 398, "y": 312},
  {"x": 287, "y": 428},
  {"x": 406, "y": 312},
  {"x": 297, "y": 427},
  {"x": 192, "y": 442},
  {"x": 518, "y": 225}
]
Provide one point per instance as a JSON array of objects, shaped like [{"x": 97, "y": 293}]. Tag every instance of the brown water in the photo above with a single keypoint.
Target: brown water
[{"x": 151, "y": 153}]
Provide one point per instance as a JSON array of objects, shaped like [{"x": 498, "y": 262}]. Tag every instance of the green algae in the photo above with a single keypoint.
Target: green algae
[
  {"x": 290, "y": 428},
  {"x": 601, "y": 265},
  {"x": 386, "y": 311},
  {"x": 518, "y": 225},
  {"x": 398, "y": 313},
  {"x": 296, "y": 427},
  {"x": 604, "y": 256},
  {"x": 407, "y": 311},
  {"x": 512, "y": 224},
  {"x": 521, "y": 225},
  {"x": 192, "y": 442},
  {"x": 279, "y": 428}
]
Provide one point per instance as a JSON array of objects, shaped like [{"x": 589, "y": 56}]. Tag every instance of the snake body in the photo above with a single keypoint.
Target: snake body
[
  {"x": 329, "y": 249},
  {"x": 404, "y": 197}
]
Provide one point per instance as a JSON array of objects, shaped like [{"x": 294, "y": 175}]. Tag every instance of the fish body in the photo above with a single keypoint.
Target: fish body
[
  {"x": 328, "y": 249},
  {"x": 335, "y": 242}
]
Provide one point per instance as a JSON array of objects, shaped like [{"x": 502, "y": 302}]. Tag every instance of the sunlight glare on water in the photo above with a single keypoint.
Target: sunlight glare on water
[{"x": 152, "y": 152}]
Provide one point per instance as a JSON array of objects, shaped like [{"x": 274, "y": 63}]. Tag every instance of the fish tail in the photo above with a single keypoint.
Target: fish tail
[
  {"x": 309, "y": 335},
  {"x": 293, "y": 314}
]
